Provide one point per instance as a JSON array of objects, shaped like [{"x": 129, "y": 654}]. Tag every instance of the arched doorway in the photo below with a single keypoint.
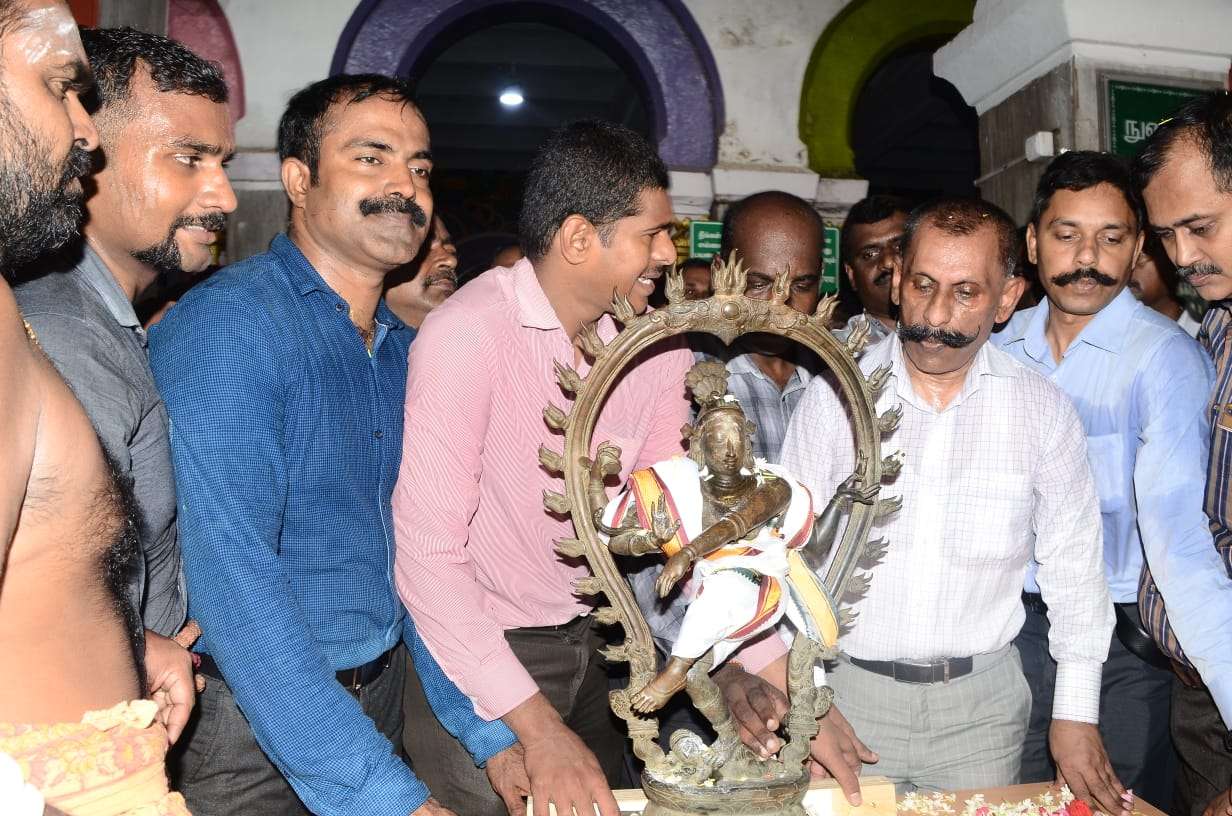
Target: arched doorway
[
  {"x": 868, "y": 46},
  {"x": 645, "y": 64},
  {"x": 912, "y": 134}
]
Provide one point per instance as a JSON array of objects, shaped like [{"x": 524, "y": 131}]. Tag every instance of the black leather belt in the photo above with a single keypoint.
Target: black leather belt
[
  {"x": 938, "y": 671},
  {"x": 353, "y": 680},
  {"x": 1129, "y": 630}
]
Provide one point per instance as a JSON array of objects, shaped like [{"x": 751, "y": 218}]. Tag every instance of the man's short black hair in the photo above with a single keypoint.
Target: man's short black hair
[
  {"x": 590, "y": 168},
  {"x": 1205, "y": 121},
  {"x": 690, "y": 263},
  {"x": 956, "y": 215},
  {"x": 302, "y": 125},
  {"x": 870, "y": 210},
  {"x": 787, "y": 203},
  {"x": 1080, "y": 170},
  {"x": 115, "y": 52}
]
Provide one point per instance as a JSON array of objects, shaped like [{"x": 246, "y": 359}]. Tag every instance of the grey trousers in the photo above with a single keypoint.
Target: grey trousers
[
  {"x": 966, "y": 733},
  {"x": 1205, "y": 749},
  {"x": 1135, "y": 698},
  {"x": 564, "y": 662},
  {"x": 221, "y": 770}
]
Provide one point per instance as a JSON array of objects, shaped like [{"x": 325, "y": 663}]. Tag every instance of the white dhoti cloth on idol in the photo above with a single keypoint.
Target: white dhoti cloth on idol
[{"x": 744, "y": 588}]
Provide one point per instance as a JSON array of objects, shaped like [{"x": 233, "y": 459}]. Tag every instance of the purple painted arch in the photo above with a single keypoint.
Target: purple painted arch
[{"x": 659, "y": 39}]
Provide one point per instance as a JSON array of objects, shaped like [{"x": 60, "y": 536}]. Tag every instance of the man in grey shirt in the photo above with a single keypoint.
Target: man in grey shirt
[{"x": 158, "y": 199}]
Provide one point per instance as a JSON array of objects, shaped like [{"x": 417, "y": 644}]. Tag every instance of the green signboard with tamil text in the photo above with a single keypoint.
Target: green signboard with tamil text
[
  {"x": 829, "y": 262},
  {"x": 705, "y": 238},
  {"x": 1135, "y": 109}
]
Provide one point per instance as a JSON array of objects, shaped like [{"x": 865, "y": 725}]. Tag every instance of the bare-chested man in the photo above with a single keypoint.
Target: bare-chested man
[{"x": 69, "y": 642}]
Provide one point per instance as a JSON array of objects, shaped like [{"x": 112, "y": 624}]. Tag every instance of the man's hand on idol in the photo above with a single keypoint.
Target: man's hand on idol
[
  {"x": 507, "y": 773},
  {"x": 757, "y": 707},
  {"x": 1083, "y": 764},
  {"x": 837, "y": 752}
]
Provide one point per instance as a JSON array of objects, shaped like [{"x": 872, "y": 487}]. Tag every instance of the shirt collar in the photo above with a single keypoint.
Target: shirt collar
[
  {"x": 1107, "y": 329},
  {"x": 307, "y": 279},
  {"x": 535, "y": 310},
  {"x": 96, "y": 273},
  {"x": 988, "y": 362},
  {"x": 744, "y": 364}
]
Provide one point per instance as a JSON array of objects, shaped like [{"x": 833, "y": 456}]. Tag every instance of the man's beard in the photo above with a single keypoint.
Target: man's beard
[
  {"x": 1187, "y": 272},
  {"x": 918, "y": 333},
  {"x": 395, "y": 204},
  {"x": 38, "y": 211},
  {"x": 1086, "y": 273},
  {"x": 164, "y": 257}
]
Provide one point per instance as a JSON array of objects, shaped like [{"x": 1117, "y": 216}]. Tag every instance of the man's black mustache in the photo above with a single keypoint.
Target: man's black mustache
[
  {"x": 884, "y": 276},
  {"x": 211, "y": 221},
  {"x": 918, "y": 333},
  {"x": 1087, "y": 272},
  {"x": 395, "y": 204},
  {"x": 1187, "y": 272}
]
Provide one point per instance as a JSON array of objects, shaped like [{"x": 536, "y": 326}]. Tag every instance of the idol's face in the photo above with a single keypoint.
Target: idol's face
[{"x": 724, "y": 444}]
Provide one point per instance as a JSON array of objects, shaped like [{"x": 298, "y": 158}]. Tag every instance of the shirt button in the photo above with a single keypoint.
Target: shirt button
[
  {"x": 339, "y": 307},
  {"x": 378, "y": 434}
]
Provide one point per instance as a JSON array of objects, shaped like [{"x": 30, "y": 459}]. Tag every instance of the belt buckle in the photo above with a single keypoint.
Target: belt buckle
[{"x": 353, "y": 685}]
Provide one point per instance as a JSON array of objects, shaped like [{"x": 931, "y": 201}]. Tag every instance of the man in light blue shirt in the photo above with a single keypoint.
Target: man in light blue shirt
[{"x": 1140, "y": 385}]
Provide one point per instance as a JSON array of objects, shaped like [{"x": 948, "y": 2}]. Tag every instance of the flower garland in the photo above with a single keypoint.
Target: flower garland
[{"x": 1048, "y": 803}]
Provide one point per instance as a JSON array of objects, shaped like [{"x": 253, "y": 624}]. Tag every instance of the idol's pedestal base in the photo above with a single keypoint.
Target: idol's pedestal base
[{"x": 823, "y": 798}]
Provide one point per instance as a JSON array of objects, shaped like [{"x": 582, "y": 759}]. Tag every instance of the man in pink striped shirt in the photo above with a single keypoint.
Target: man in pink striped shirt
[{"x": 475, "y": 560}]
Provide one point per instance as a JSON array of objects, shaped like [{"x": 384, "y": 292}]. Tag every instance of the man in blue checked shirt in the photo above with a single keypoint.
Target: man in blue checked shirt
[
  {"x": 284, "y": 378},
  {"x": 1140, "y": 385}
]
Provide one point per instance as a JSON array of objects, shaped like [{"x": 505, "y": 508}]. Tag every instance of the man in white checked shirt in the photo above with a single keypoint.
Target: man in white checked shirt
[{"x": 994, "y": 471}]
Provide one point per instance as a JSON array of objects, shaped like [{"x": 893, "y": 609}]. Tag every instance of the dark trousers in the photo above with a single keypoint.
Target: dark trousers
[
  {"x": 221, "y": 770},
  {"x": 1133, "y": 715},
  {"x": 1205, "y": 749},
  {"x": 564, "y": 662}
]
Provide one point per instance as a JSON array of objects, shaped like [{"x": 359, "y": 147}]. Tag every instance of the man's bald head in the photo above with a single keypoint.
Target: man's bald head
[{"x": 775, "y": 231}]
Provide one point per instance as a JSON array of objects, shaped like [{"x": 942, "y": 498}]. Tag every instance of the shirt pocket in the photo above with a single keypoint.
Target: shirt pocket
[
  {"x": 1106, "y": 454},
  {"x": 993, "y": 520}
]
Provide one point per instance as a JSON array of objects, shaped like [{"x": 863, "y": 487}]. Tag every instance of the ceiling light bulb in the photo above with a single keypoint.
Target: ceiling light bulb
[{"x": 511, "y": 97}]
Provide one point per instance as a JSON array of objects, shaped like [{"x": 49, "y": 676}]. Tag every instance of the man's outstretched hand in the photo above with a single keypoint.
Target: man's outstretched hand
[
  {"x": 432, "y": 808},
  {"x": 1082, "y": 763},
  {"x": 561, "y": 770},
  {"x": 836, "y": 751},
  {"x": 507, "y": 773}
]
